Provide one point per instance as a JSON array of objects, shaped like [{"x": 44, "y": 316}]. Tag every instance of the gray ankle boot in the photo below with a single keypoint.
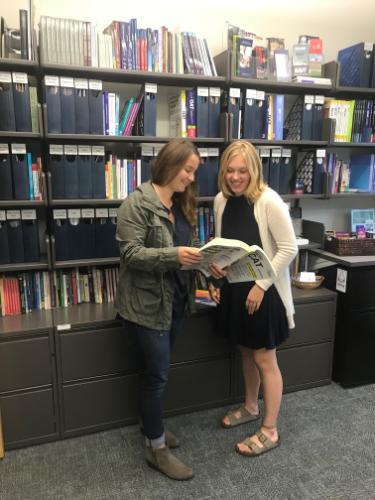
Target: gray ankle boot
[{"x": 164, "y": 461}]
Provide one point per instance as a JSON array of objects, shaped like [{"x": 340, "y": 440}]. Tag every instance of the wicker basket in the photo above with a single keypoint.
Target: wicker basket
[
  {"x": 338, "y": 246},
  {"x": 307, "y": 284}
]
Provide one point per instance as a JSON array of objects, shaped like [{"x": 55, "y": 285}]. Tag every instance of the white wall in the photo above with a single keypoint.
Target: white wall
[{"x": 339, "y": 23}]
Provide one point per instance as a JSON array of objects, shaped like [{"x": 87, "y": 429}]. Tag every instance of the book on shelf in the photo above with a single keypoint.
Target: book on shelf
[
  {"x": 243, "y": 262},
  {"x": 311, "y": 80}
]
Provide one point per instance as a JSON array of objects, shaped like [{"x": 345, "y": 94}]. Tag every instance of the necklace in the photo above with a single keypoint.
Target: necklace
[{"x": 167, "y": 203}]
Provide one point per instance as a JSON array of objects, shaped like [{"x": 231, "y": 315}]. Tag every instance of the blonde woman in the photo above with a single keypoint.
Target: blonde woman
[{"x": 255, "y": 315}]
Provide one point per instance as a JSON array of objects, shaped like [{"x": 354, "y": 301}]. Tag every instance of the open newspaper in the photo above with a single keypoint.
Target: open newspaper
[{"x": 243, "y": 262}]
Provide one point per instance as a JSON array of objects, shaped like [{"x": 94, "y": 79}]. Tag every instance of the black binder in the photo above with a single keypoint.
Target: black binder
[
  {"x": 4, "y": 247},
  {"x": 317, "y": 119},
  {"x": 6, "y": 190},
  {"x": 214, "y": 106},
  {"x": 21, "y": 99},
  {"x": 68, "y": 112},
  {"x": 53, "y": 101},
  {"x": 88, "y": 234},
  {"x": 307, "y": 118},
  {"x": 274, "y": 171},
  {"x": 249, "y": 114},
  {"x": 202, "y": 173},
  {"x": 60, "y": 230},
  {"x": 149, "y": 109},
  {"x": 7, "y": 117},
  {"x": 76, "y": 234},
  {"x": 318, "y": 173},
  {"x": 105, "y": 235},
  {"x": 82, "y": 106},
  {"x": 265, "y": 154},
  {"x": 260, "y": 116},
  {"x": 213, "y": 170},
  {"x": 98, "y": 172},
  {"x": 30, "y": 236},
  {"x": 84, "y": 172},
  {"x": 15, "y": 238},
  {"x": 20, "y": 172},
  {"x": 96, "y": 107},
  {"x": 56, "y": 166},
  {"x": 202, "y": 111},
  {"x": 71, "y": 172},
  {"x": 286, "y": 171},
  {"x": 233, "y": 104}
]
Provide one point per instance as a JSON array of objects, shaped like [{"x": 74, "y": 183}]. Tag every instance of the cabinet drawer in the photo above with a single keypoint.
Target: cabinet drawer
[
  {"x": 24, "y": 364},
  {"x": 94, "y": 405},
  {"x": 306, "y": 366},
  {"x": 314, "y": 323},
  {"x": 91, "y": 353},
  {"x": 28, "y": 418},
  {"x": 198, "y": 339},
  {"x": 198, "y": 384}
]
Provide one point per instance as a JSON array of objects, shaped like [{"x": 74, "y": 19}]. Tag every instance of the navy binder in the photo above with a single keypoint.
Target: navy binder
[
  {"x": 149, "y": 109},
  {"x": 202, "y": 173},
  {"x": 84, "y": 172},
  {"x": 233, "y": 106},
  {"x": 88, "y": 234},
  {"x": 98, "y": 172},
  {"x": 249, "y": 114},
  {"x": 261, "y": 116},
  {"x": 82, "y": 106},
  {"x": 213, "y": 171},
  {"x": 60, "y": 230},
  {"x": 317, "y": 118},
  {"x": 372, "y": 84},
  {"x": 76, "y": 234},
  {"x": 146, "y": 168},
  {"x": 21, "y": 99},
  {"x": 356, "y": 65},
  {"x": 53, "y": 102},
  {"x": 68, "y": 110},
  {"x": 7, "y": 117},
  {"x": 307, "y": 118},
  {"x": 265, "y": 154},
  {"x": 15, "y": 239},
  {"x": 274, "y": 171},
  {"x": 56, "y": 166},
  {"x": 214, "y": 106},
  {"x": 4, "y": 247},
  {"x": 20, "y": 172},
  {"x": 202, "y": 111},
  {"x": 318, "y": 172},
  {"x": 6, "y": 190},
  {"x": 30, "y": 236},
  {"x": 96, "y": 107},
  {"x": 105, "y": 235},
  {"x": 71, "y": 172},
  {"x": 286, "y": 171}
]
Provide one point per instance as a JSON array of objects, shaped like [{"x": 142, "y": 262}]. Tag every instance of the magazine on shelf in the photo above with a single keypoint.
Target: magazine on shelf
[{"x": 243, "y": 262}]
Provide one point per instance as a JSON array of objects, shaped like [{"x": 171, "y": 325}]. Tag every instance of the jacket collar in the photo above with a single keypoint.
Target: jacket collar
[{"x": 151, "y": 200}]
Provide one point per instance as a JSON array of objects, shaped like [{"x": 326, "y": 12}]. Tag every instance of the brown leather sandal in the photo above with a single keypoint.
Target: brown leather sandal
[
  {"x": 253, "y": 449},
  {"x": 245, "y": 416}
]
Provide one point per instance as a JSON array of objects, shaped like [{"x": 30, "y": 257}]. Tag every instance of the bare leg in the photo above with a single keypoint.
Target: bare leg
[
  {"x": 266, "y": 361},
  {"x": 252, "y": 382}
]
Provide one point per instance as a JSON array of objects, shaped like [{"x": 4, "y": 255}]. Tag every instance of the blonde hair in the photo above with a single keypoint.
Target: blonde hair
[
  {"x": 168, "y": 164},
  {"x": 250, "y": 155}
]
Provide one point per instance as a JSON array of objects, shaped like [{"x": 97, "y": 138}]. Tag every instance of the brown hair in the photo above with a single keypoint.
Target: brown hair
[
  {"x": 170, "y": 160},
  {"x": 252, "y": 161}
]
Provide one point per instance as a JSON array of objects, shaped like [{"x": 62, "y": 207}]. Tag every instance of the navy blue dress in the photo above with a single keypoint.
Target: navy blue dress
[{"x": 268, "y": 327}]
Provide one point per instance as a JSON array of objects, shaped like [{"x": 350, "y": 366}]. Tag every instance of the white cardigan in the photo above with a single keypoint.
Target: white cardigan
[{"x": 278, "y": 241}]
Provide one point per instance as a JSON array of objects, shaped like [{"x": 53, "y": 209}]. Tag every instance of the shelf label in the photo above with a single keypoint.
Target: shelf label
[
  {"x": 151, "y": 88},
  {"x": 51, "y": 81},
  {"x": 309, "y": 99},
  {"x": 88, "y": 213},
  {"x": 67, "y": 81},
  {"x": 113, "y": 212},
  {"x": 74, "y": 213},
  {"x": 13, "y": 214},
  {"x": 81, "y": 83},
  {"x": 95, "y": 85},
  {"x": 319, "y": 99},
  {"x": 5, "y": 77},
  {"x": 234, "y": 92},
  {"x": 261, "y": 95},
  {"x": 28, "y": 214},
  {"x": 320, "y": 153},
  {"x": 251, "y": 94},
  {"x": 286, "y": 153},
  {"x": 4, "y": 149},
  {"x": 98, "y": 150},
  {"x": 84, "y": 150},
  {"x": 341, "y": 279},
  {"x": 203, "y": 152},
  {"x": 20, "y": 78},
  {"x": 264, "y": 153},
  {"x": 56, "y": 149},
  {"x": 70, "y": 149},
  {"x": 213, "y": 151},
  {"x": 101, "y": 212},
  {"x": 276, "y": 153},
  {"x": 2, "y": 215},
  {"x": 64, "y": 326},
  {"x": 214, "y": 91},
  {"x": 18, "y": 149},
  {"x": 59, "y": 213}
]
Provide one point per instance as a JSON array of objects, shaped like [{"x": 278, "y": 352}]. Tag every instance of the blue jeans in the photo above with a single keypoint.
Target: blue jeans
[{"x": 155, "y": 348}]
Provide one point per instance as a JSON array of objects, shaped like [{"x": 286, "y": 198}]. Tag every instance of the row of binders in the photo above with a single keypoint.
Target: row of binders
[
  {"x": 19, "y": 236},
  {"x": 18, "y": 103},
  {"x": 354, "y": 175},
  {"x": 20, "y": 175},
  {"x": 195, "y": 112},
  {"x": 305, "y": 119},
  {"x": 85, "y": 233},
  {"x": 277, "y": 168}
]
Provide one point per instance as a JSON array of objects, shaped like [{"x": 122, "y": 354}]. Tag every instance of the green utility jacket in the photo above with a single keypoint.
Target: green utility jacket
[{"x": 148, "y": 260}]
